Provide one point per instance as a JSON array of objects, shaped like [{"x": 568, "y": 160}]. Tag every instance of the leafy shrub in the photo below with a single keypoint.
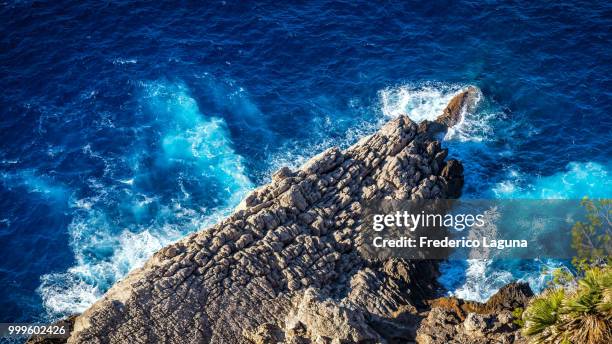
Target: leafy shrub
[
  {"x": 517, "y": 316},
  {"x": 579, "y": 316}
]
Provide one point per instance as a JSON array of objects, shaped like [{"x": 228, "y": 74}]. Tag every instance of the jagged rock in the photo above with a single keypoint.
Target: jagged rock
[
  {"x": 285, "y": 267},
  {"x": 452, "y": 172},
  {"x": 463, "y": 102},
  {"x": 510, "y": 297},
  {"x": 66, "y": 323},
  {"x": 476, "y": 324},
  {"x": 452, "y": 320},
  {"x": 265, "y": 334},
  {"x": 321, "y": 321}
]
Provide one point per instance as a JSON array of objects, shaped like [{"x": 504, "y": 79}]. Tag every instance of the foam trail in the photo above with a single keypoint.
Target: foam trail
[{"x": 181, "y": 175}]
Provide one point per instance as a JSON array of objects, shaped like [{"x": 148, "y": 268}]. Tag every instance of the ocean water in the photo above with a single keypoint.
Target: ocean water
[{"x": 124, "y": 126}]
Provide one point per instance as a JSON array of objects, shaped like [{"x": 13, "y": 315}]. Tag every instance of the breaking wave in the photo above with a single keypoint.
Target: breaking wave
[
  {"x": 427, "y": 101},
  {"x": 124, "y": 219}
]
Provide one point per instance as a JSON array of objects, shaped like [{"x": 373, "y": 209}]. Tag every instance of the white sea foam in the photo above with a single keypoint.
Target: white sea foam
[
  {"x": 76, "y": 289},
  {"x": 427, "y": 101},
  {"x": 579, "y": 179},
  {"x": 480, "y": 282},
  {"x": 124, "y": 221},
  {"x": 63, "y": 294},
  {"x": 419, "y": 102},
  {"x": 122, "y": 61},
  {"x": 481, "y": 278}
]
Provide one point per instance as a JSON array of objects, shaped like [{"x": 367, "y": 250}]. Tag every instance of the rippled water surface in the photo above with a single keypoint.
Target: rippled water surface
[{"x": 124, "y": 126}]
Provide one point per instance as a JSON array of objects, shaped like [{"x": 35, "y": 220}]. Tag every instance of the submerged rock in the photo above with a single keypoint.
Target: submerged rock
[{"x": 285, "y": 267}]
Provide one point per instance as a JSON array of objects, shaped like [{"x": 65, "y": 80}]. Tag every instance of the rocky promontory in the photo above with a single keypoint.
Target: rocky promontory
[{"x": 285, "y": 267}]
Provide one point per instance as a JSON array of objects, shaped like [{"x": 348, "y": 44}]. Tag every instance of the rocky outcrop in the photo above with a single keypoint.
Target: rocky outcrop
[
  {"x": 285, "y": 267},
  {"x": 452, "y": 320},
  {"x": 66, "y": 323},
  {"x": 463, "y": 102}
]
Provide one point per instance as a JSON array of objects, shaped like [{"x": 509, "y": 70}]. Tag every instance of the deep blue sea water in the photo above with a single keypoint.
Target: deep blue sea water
[{"x": 126, "y": 125}]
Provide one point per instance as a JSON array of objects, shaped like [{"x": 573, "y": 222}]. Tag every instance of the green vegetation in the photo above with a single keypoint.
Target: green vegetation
[
  {"x": 517, "y": 315},
  {"x": 583, "y": 315},
  {"x": 577, "y": 308},
  {"x": 592, "y": 240}
]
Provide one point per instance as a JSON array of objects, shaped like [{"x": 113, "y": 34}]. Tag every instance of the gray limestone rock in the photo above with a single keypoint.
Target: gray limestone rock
[{"x": 285, "y": 266}]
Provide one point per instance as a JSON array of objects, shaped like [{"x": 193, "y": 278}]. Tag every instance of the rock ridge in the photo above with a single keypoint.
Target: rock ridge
[{"x": 286, "y": 261}]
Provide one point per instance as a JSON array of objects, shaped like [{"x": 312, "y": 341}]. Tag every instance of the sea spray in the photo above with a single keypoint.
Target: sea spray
[
  {"x": 427, "y": 101},
  {"x": 419, "y": 102},
  {"x": 124, "y": 220}
]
